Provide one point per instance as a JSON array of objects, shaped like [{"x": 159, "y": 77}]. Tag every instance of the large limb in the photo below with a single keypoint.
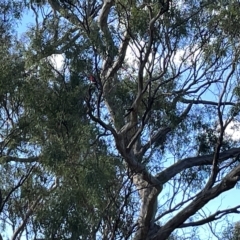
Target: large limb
[
  {"x": 144, "y": 55},
  {"x": 206, "y": 102},
  {"x": 227, "y": 183},
  {"x": 112, "y": 62},
  {"x": 148, "y": 191},
  {"x": 107, "y": 36},
  {"x": 147, "y": 188},
  {"x": 110, "y": 84},
  {"x": 148, "y": 195},
  {"x": 190, "y": 162}
]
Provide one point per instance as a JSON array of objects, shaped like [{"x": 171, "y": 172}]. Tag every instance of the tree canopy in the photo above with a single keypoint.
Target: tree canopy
[{"x": 118, "y": 117}]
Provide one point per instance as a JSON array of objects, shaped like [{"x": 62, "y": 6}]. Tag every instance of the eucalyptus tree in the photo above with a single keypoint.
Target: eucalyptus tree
[{"x": 130, "y": 137}]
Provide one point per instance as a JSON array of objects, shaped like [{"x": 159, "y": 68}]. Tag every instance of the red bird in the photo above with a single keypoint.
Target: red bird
[{"x": 93, "y": 79}]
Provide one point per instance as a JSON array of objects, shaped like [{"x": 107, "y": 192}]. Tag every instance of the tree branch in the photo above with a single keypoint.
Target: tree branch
[
  {"x": 97, "y": 120},
  {"x": 205, "y": 102},
  {"x": 19, "y": 184},
  {"x": 186, "y": 163},
  {"x": 217, "y": 215},
  {"x": 103, "y": 17},
  {"x": 228, "y": 182},
  {"x": 121, "y": 56},
  {"x": 7, "y": 159}
]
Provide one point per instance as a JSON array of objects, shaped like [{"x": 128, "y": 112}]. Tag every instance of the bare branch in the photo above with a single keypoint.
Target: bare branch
[
  {"x": 228, "y": 182},
  {"x": 175, "y": 208},
  {"x": 6, "y": 159},
  {"x": 217, "y": 215},
  {"x": 121, "y": 56},
  {"x": 97, "y": 120},
  {"x": 205, "y": 102},
  {"x": 186, "y": 163},
  {"x": 19, "y": 184},
  {"x": 215, "y": 169}
]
